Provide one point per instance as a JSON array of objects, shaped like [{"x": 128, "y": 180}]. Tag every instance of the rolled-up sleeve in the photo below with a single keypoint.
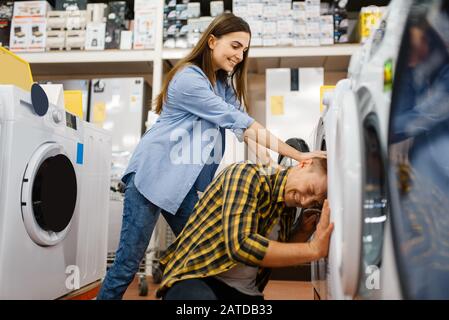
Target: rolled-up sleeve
[
  {"x": 231, "y": 98},
  {"x": 240, "y": 216},
  {"x": 193, "y": 93}
]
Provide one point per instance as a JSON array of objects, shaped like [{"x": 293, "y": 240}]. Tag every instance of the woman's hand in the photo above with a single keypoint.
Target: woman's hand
[{"x": 309, "y": 155}]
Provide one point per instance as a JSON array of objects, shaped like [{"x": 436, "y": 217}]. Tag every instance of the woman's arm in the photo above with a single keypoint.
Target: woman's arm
[
  {"x": 261, "y": 153},
  {"x": 260, "y": 135}
]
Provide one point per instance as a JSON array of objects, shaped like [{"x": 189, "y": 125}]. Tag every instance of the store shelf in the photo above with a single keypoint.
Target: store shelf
[
  {"x": 89, "y": 56},
  {"x": 280, "y": 52}
]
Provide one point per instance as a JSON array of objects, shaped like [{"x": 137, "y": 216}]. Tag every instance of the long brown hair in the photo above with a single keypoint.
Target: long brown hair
[{"x": 201, "y": 57}]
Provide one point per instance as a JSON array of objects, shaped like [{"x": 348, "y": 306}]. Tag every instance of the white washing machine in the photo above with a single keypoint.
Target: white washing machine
[
  {"x": 418, "y": 159},
  {"x": 393, "y": 172},
  {"x": 94, "y": 205},
  {"x": 40, "y": 177}
]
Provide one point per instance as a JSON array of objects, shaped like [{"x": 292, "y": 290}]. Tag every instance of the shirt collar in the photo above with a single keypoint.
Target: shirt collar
[{"x": 279, "y": 180}]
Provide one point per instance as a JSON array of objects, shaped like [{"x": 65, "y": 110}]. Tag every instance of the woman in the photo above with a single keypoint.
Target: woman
[{"x": 179, "y": 155}]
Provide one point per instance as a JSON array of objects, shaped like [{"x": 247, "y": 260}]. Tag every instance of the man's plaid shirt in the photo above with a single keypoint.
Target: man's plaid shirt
[{"x": 230, "y": 224}]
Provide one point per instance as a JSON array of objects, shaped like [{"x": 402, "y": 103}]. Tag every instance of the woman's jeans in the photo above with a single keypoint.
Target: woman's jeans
[{"x": 139, "y": 218}]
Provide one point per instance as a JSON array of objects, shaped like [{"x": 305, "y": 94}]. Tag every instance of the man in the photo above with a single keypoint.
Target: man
[{"x": 224, "y": 251}]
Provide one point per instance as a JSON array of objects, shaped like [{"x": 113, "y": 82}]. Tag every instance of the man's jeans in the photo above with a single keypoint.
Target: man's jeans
[{"x": 139, "y": 219}]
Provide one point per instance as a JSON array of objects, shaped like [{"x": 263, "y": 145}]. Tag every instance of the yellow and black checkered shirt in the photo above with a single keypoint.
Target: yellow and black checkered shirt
[{"x": 230, "y": 224}]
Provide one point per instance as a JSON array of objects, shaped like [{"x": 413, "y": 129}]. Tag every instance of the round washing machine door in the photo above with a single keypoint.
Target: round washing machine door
[
  {"x": 375, "y": 203},
  {"x": 49, "y": 194},
  {"x": 349, "y": 167},
  {"x": 418, "y": 154}
]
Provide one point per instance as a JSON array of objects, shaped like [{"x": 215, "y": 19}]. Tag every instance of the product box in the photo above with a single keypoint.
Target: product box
[
  {"x": 70, "y": 4},
  {"x": 216, "y": 8},
  {"x": 76, "y": 19},
  {"x": 6, "y": 8},
  {"x": 95, "y": 36},
  {"x": 144, "y": 29},
  {"x": 126, "y": 40},
  {"x": 55, "y": 40},
  {"x": 38, "y": 34},
  {"x": 75, "y": 39},
  {"x": 31, "y": 9},
  {"x": 96, "y": 12},
  {"x": 20, "y": 35},
  {"x": 269, "y": 41},
  {"x": 194, "y": 10},
  {"x": 370, "y": 18},
  {"x": 255, "y": 9},
  {"x": 56, "y": 20},
  {"x": 284, "y": 26},
  {"x": 28, "y": 34},
  {"x": 269, "y": 28},
  {"x": 117, "y": 12},
  {"x": 112, "y": 37}
]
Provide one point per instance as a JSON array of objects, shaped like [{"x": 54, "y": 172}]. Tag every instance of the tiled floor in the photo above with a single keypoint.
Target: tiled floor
[{"x": 275, "y": 290}]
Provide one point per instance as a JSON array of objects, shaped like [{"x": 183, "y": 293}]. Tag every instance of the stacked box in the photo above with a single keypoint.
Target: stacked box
[
  {"x": 29, "y": 26},
  {"x": 326, "y": 29},
  {"x": 115, "y": 23},
  {"x": 75, "y": 39},
  {"x": 76, "y": 19},
  {"x": 55, "y": 40},
  {"x": 370, "y": 18},
  {"x": 6, "y": 8},
  {"x": 341, "y": 22},
  {"x": 96, "y": 26},
  {"x": 216, "y": 8},
  {"x": 144, "y": 24},
  {"x": 63, "y": 5},
  {"x": 182, "y": 24},
  {"x": 95, "y": 36}
]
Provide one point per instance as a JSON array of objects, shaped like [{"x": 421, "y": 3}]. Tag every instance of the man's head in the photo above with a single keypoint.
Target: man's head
[{"x": 306, "y": 184}]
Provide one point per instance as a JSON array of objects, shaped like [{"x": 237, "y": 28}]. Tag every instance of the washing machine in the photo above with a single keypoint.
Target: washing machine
[
  {"x": 418, "y": 159},
  {"x": 94, "y": 205},
  {"x": 391, "y": 129},
  {"x": 40, "y": 176}
]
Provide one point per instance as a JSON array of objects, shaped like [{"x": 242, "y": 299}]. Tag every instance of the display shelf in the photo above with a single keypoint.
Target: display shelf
[
  {"x": 121, "y": 56},
  {"x": 280, "y": 52}
]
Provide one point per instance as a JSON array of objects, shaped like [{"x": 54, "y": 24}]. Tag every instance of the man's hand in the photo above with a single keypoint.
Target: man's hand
[{"x": 320, "y": 243}]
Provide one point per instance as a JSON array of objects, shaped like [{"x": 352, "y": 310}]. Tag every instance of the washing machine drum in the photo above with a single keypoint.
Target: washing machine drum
[{"x": 49, "y": 194}]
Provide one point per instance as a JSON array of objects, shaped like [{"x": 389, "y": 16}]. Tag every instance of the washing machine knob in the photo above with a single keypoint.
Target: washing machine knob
[{"x": 57, "y": 116}]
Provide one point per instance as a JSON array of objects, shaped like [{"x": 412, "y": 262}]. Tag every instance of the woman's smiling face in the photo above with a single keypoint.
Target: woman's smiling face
[{"x": 228, "y": 50}]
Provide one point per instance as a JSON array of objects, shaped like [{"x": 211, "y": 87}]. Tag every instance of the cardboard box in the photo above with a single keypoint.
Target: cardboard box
[
  {"x": 95, "y": 36},
  {"x": 6, "y": 9},
  {"x": 31, "y": 9},
  {"x": 20, "y": 35},
  {"x": 56, "y": 20},
  {"x": 75, "y": 39},
  {"x": 70, "y": 4},
  {"x": 55, "y": 40},
  {"x": 28, "y": 34},
  {"x": 76, "y": 19},
  {"x": 216, "y": 8},
  {"x": 126, "y": 40},
  {"x": 144, "y": 29},
  {"x": 194, "y": 10},
  {"x": 38, "y": 34},
  {"x": 96, "y": 12}
]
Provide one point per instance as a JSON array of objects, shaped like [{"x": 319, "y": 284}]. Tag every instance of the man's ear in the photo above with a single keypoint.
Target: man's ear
[
  {"x": 305, "y": 163},
  {"x": 212, "y": 41}
]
